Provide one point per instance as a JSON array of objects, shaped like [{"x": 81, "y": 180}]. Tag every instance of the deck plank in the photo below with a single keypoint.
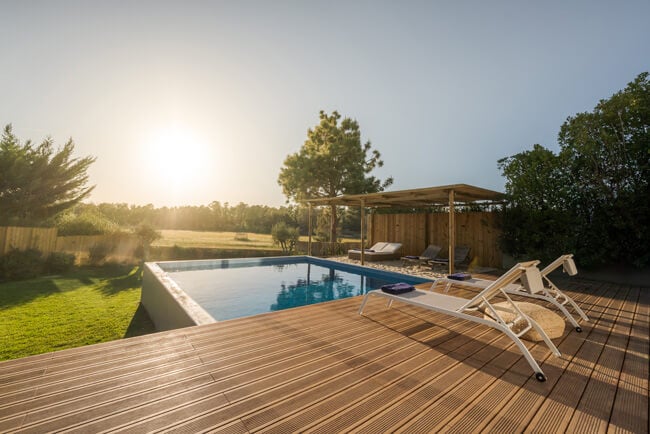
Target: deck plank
[
  {"x": 324, "y": 368},
  {"x": 483, "y": 386},
  {"x": 521, "y": 408}
]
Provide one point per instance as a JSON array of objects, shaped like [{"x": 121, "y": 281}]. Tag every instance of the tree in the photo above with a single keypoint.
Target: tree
[
  {"x": 39, "y": 182},
  {"x": 285, "y": 236},
  {"x": 592, "y": 197},
  {"x": 147, "y": 235},
  {"x": 332, "y": 161}
]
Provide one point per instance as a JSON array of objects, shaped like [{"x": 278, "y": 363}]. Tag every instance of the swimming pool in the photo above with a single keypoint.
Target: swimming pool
[{"x": 216, "y": 290}]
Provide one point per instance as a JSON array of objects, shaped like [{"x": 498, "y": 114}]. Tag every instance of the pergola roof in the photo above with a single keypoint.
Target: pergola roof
[{"x": 416, "y": 198}]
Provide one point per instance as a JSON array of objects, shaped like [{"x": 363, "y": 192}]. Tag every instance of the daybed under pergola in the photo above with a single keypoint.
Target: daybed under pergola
[{"x": 445, "y": 195}]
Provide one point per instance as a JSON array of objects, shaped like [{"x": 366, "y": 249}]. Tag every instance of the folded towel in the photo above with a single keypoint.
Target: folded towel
[
  {"x": 411, "y": 257},
  {"x": 368, "y": 250},
  {"x": 460, "y": 276},
  {"x": 397, "y": 288}
]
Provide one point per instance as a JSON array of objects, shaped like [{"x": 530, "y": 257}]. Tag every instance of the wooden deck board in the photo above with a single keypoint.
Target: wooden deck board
[
  {"x": 324, "y": 368},
  {"x": 631, "y": 406},
  {"x": 497, "y": 396},
  {"x": 433, "y": 419},
  {"x": 522, "y": 407}
]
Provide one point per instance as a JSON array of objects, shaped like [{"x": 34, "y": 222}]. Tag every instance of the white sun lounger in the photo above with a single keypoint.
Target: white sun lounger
[
  {"x": 540, "y": 289},
  {"x": 474, "y": 309}
]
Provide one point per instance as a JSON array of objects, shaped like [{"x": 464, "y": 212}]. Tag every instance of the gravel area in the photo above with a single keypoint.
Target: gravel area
[{"x": 396, "y": 266}]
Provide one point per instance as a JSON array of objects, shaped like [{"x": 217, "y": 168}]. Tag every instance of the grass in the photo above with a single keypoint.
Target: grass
[
  {"x": 214, "y": 240},
  {"x": 224, "y": 240},
  {"x": 83, "y": 307}
]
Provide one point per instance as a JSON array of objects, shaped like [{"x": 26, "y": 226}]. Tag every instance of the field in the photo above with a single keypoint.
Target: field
[
  {"x": 83, "y": 307},
  {"x": 225, "y": 240}
]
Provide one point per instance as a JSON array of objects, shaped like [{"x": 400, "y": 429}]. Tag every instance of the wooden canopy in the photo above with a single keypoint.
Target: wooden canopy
[
  {"x": 445, "y": 195},
  {"x": 416, "y": 198}
]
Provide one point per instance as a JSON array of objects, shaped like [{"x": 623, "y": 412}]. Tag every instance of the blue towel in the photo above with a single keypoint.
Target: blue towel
[
  {"x": 397, "y": 288},
  {"x": 412, "y": 257}
]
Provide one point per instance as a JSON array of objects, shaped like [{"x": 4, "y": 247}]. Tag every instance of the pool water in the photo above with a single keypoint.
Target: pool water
[{"x": 236, "y": 289}]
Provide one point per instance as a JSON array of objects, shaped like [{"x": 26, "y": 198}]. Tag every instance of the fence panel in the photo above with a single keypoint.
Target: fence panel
[
  {"x": 478, "y": 230},
  {"x": 119, "y": 248},
  {"x": 22, "y": 238}
]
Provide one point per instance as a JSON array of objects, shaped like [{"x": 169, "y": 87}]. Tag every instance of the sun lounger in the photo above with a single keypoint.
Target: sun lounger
[
  {"x": 461, "y": 256},
  {"x": 378, "y": 252},
  {"x": 430, "y": 253},
  {"x": 540, "y": 289},
  {"x": 474, "y": 309}
]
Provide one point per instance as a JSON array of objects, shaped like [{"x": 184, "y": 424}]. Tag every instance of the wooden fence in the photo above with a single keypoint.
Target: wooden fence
[
  {"x": 478, "y": 230},
  {"x": 12, "y": 237},
  {"x": 119, "y": 247}
]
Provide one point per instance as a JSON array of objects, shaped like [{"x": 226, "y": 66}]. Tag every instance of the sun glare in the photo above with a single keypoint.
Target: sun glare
[{"x": 177, "y": 156}]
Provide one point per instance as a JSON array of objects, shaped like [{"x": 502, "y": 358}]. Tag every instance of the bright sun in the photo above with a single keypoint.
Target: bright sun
[{"x": 176, "y": 155}]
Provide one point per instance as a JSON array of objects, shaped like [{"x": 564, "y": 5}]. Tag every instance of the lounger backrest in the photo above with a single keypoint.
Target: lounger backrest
[
  {"x": 532, "y": 281},
  {"x": 495, "y": 287},
  {"x": 569, "y": 266},
  {"x": 431, "y": 251},
  {"x": 378, "y": 247},
  {"x": 391, "y": 247},
  {"x": 461, "y": 253},
  {"x": 567, "y": 263}
]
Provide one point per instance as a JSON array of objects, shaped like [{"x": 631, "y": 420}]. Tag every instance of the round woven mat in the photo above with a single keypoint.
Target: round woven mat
[{"x": 552, "y": 323}]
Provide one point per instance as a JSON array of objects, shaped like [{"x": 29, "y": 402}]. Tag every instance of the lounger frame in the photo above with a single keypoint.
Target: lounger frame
[
  {"x": 480, "y": 304},
  {"x": 543, "y": 290}
]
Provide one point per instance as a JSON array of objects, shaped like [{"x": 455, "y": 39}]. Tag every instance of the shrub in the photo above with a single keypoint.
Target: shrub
[
  {"x": 59, "y": 262},
  {"x": 97, "y": 254},
  {"x": 147, "y": 235},
  {"x": 285, "y": 236},
  {"x": 21, "y": 264},
  {"x": 87, "y": 223}
]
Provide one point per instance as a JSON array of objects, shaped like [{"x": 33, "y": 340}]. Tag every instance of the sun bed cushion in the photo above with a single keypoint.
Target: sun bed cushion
[
  {"x": 397, "y": 288},
  {"x": 391, "y": 247}
]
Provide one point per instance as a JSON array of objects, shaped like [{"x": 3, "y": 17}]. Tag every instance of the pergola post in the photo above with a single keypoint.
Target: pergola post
[
  {"x": 363, "y": 227},
  {"x": 452, "y": 231},
  {"x": 309, "y": 231}
]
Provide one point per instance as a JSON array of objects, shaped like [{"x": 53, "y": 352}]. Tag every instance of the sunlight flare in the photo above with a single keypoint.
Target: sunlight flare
[{"x": 177, "y": 155}]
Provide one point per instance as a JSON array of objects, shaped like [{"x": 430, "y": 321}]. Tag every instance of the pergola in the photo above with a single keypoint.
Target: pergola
[{"x": 444, "y": 195}]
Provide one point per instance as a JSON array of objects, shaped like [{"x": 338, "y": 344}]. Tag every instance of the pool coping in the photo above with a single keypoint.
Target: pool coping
[{"x": 170, "y": 307}]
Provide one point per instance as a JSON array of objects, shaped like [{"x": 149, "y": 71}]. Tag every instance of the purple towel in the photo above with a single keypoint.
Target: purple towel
[
  {"x": 397, "y": 288},
  {"x": 460, "y": 276}
]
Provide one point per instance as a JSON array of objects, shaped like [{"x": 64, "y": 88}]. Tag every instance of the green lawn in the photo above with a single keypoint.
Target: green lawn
[{"x": 83, "y": 307}]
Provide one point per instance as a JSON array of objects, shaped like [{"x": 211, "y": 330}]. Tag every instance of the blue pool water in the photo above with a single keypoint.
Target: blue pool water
[{"x": 236, "y": 288}]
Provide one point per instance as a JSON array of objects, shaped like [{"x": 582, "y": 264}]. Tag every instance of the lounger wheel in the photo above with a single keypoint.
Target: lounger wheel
[
  {"x": 579, "y": 329},
  {"x": 540, "y": 377}
]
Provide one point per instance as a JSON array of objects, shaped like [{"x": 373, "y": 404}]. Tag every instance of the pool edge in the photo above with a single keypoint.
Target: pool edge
[{"x": 168, "y": 306}]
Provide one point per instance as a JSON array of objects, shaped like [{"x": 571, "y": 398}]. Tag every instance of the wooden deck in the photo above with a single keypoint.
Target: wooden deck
[{"x": 323, "y": 368}]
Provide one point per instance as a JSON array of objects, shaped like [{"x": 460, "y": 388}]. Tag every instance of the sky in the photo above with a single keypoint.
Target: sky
[{"x": 190, "y": 102}]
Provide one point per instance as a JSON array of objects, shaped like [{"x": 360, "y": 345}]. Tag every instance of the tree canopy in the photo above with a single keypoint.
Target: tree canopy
[
  {"x": 592, "y": 196},
  {"x": 38, "y": 182},
  {"x": 331, "y": 162}
]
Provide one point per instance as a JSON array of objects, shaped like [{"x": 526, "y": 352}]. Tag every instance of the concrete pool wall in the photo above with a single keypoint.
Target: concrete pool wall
[{"x": 168, "y": 306}]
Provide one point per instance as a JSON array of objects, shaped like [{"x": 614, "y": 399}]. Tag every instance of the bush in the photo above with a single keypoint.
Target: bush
[
  {"x": 87, "y": 223},
  {"x": 59, "y": 262},
  {"x": 285, "y": 236},
  {"x": 97, "y": 254},
  {"x": 21, "y": 264}
]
